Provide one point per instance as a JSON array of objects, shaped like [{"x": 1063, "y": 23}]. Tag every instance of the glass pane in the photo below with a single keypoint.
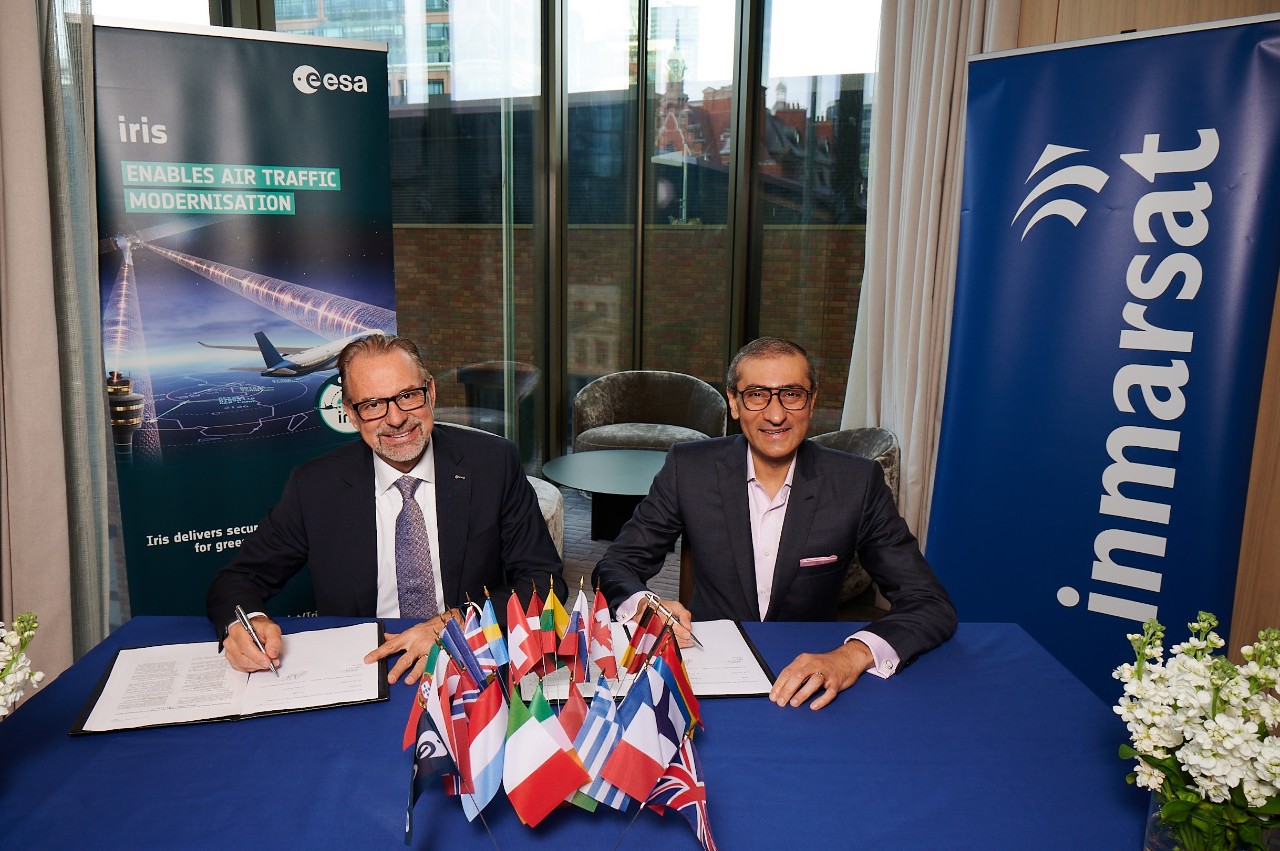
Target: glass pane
[
  {"x": 463, "y": 80},
  {"x": 687, "y": 173},
  {"x": 811, "y": 181},
  {"x": 166, "y": 11},
  {"x": 600, "y": 70}
]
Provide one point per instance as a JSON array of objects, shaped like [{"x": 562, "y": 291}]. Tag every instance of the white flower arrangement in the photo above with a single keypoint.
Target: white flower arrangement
[
  {"x": 1202, "y": 734},
  {"x": 15, "y": 667}
]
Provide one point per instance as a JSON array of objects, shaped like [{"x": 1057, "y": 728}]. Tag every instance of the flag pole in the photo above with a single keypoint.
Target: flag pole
[
  {"x": 480, "y": 813},
  {"x": 630, "y": 825}
]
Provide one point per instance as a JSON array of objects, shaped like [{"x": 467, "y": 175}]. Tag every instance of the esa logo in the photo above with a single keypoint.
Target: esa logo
[{"x": 308, "y": 81}]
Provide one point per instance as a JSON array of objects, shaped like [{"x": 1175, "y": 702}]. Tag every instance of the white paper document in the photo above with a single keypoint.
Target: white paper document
[
  {"x": 187, "y": 683},
  {"x": 726, "y": 665}
]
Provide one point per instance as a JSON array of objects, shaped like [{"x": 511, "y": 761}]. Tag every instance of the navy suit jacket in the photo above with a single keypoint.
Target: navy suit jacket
[
  {"x": 491, "y": 532},
  {"x": 839, "y": 505}
]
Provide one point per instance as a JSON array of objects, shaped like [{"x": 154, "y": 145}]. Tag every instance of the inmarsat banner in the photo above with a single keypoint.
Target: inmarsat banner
[
  {"x": 244, "y": 212},
  {"x": 1119, "y": 248}
]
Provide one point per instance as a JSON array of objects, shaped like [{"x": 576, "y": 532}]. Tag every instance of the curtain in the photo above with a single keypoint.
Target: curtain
[
  {"x": 898, "y": 367},
  {"x": 66, "y": 70},
  {"x": 54, "y": 459}
]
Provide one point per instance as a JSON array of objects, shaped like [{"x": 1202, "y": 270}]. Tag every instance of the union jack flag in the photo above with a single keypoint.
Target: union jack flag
[{"x": 683, "y": 788}]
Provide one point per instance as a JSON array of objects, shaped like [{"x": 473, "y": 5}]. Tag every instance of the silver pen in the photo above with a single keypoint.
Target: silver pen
[
  {"x": 656, "y": 602},
  {"x": 244, "y": 622}
]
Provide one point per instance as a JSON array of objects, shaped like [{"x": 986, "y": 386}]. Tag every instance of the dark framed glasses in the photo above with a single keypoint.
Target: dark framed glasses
[
  {"x": 406, "y": 400},
  {"x": 758, "y": 398}
]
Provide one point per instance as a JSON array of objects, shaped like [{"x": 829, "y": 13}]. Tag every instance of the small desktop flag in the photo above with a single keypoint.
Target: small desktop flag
[
  {"x": 573, "y": 648},
  {"x": 595, "y": 743},
  {"x": 488, "y": 743},
  {"x": 602, "y": 638},
  {"x": 536, "y": 773},
  {"x": 642, "y": 753},
  {"x": 493, "y": 632},
  {"x": 523, "y": 647},
  {"x": 670, "y": 665},
  {"x": 473, "y": 629},
  {"x": 682, "y": 787},
  {"x": 642, "y": 640},
  {"x": 430, "y": 758}
]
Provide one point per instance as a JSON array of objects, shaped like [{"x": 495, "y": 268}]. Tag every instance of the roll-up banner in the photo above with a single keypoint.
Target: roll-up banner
[
  {"x": 244, "y": 211},
  {"x": 1119, "y": 249}
]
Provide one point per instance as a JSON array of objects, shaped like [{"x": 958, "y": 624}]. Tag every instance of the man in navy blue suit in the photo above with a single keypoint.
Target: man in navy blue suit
[
  {"x": 338, "y": 516},
  {"x": 772, "y": 521}
]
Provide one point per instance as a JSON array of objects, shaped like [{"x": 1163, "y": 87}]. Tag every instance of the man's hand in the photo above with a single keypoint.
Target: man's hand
[
  {"x": 683, "y": 625},
  {"x": 416, "y": 642},
  {"x": 243, "y": 655},
  {"x": 832, "y": 672}
]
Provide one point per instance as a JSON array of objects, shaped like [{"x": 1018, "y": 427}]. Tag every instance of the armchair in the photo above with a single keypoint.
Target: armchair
[{"x": 646, "y": 409}]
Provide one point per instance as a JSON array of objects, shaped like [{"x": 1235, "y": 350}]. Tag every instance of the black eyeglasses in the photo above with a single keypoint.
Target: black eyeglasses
[
  {"x": 406, "y": 400},
  {"x": 758, "y": 398}
]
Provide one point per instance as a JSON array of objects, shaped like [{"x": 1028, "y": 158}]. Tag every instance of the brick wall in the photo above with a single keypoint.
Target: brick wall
[{"x": 449, "y": 298}]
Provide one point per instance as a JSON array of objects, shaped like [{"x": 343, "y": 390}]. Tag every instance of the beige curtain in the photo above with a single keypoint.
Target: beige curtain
[
  {"x": 55, "y": 461},
  {"x": 35, "y": 560},
  {"x": 898, "y": 367}
]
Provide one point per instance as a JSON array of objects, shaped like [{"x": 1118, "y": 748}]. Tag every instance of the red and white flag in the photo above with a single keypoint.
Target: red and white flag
[
  {"x": 523, "y": 646},
  {"x": 602, "y": 638}
]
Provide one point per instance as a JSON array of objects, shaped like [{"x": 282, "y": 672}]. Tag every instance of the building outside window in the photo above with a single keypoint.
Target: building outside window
[{"x": 648, "y": 232}]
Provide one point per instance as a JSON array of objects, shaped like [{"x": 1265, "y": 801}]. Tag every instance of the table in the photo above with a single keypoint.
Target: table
[
  {"x": 616, "y": 478},
  {"x": 986, "y": 743}
]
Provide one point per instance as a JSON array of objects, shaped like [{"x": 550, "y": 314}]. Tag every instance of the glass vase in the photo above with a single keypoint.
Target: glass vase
[{"x": 1212, "y": 835}]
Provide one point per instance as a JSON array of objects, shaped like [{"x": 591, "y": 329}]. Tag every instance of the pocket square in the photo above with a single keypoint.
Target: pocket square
[{"x": 814, "y": 562}]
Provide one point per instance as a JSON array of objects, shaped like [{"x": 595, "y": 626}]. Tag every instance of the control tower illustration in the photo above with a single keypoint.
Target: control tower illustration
[{"x": 132, "y": 403}]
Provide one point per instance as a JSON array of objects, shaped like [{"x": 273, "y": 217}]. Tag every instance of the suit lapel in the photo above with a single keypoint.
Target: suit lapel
[
  {"x": 359, "y": 513},
  {"x": 802, "y": 505},
  {"x": 453, "y": 498},
  {"x": 731, "y": 472}
]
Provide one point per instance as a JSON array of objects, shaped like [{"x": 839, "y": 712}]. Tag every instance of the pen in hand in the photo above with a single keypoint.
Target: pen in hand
[
  {"x": 656, "y": 602},
  {"x": 244, "y": 622}
]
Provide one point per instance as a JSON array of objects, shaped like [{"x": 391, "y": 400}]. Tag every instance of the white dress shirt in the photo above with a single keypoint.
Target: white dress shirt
[
  {"x": 767, "y": 517},
  {"x": 387, "y": 502}
]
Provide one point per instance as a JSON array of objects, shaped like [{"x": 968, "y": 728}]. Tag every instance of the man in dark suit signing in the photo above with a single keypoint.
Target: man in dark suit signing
[
  {"x": 377, "y": 543},
  {"x": 772, "y": 521}
]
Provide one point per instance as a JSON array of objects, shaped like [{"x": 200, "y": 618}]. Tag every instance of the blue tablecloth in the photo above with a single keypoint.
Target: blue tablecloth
[{"x": 985, "y": 743}]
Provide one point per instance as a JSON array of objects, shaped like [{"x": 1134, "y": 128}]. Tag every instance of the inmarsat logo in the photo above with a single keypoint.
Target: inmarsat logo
[
  {"x": 1069, "y": 175},
  {"x": 308, "y": 81}
]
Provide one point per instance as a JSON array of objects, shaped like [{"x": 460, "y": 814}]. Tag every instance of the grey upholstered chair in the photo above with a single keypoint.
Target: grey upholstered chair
[
  {"x": 646, "y": 409},
  {"x": 879, "y": 445},
  {"x": 483, "y": 393},
  {"x": 550, "y": 500}
]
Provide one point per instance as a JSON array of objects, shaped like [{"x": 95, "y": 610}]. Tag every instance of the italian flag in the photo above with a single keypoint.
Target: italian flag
[{"x": 536, "y": 772}]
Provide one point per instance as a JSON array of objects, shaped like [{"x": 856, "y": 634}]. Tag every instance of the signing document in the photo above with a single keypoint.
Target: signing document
[
  {"x": 189, "y": 683},
  {"x": 726, "y": 664}
]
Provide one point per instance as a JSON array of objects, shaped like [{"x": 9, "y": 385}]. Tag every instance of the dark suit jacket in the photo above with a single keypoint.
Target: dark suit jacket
[
  {"x": 839, "y": 505},
  {"x": 491, "y": 531}
]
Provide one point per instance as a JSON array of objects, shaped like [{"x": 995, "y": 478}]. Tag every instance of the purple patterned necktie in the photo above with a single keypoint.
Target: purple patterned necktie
[{"x": 415, "y": 580}]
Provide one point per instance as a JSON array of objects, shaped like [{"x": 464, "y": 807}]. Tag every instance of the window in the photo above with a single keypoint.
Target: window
[
  {"x": 810, "y": 180},
  {"x": 652, "y": 265}
]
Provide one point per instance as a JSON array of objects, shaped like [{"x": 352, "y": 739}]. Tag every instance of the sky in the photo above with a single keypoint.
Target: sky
[
  {"x": 177, "y": 11},
  {"x": 807, "y": 38}
]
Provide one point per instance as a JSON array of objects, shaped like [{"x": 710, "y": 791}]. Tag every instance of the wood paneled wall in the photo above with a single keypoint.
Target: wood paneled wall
[
  {"x": 1257, "y": 601},
  {"x": 1049, "y": 21}
]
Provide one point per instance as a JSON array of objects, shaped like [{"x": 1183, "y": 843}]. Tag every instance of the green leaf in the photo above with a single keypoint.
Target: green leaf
[
  {"x": 1270, "y": 808},
  {"x": 1127, "y": 752},
  {"x": 1176, "y": 811}
]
